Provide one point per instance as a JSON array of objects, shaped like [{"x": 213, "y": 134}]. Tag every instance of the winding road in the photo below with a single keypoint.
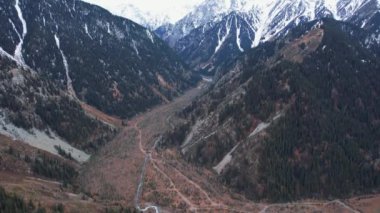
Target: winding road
[{"x": 148, "y": 157}]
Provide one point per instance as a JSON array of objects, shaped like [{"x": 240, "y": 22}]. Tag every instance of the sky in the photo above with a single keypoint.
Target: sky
[{"x": 174, "y": 9}]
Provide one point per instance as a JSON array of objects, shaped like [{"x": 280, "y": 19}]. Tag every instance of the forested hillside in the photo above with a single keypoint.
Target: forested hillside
[
  {"x": 30, "y": 104},
  {"x": 299, "y": 121}
]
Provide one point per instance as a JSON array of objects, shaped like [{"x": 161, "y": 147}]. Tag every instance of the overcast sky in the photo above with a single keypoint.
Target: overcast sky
[{"x": 175, "y": 9}]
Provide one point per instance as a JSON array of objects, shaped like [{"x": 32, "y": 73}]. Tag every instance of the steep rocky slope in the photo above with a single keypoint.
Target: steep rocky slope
[{"x": 293, "y": 118}]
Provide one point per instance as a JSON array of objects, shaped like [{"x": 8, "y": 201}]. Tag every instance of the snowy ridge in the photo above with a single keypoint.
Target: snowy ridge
[
  {"x": 332, "y": 6},
  {"x": 70, "y": 88},
  {"x": 18, "y": 51},
  {"x": 262, "y": 22},
  {"x": 347, "y": 8},
  {"x": 150, "y": 16},
  {"x": 265, "y": 18},
  {"x": 146, "y": 19}
]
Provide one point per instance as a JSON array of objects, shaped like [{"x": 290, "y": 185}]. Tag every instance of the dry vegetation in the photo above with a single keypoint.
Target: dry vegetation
[
  {"x": 111, "y": 177},
  {"x": 16, "y": 176}
]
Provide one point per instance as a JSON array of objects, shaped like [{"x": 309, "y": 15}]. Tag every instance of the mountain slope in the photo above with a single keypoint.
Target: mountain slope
[
  {"x": 292, "y": 119},
  {"x": 204, "y": 48},
  {"x": 107, "y": 61},
  {"x": 33, "y": 110}
]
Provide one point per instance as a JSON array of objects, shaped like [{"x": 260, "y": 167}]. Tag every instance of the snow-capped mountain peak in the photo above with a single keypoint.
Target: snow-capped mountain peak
[
  {"x": 219, "y": 29},
  {"x": 146, "y": 19},
  {"x": 269, "y": 16},
  {"x": 149, "y": 13}
]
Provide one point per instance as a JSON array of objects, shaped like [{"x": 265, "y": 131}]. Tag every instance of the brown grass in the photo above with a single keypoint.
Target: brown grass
[
  {"x": 97, "y": 114},
  {"x": 16, "y": 177}
]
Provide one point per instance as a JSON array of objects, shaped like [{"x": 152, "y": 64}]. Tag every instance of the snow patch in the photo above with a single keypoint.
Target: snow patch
[
  {"x": 108, "y": 28},
  {"x": 5, "y": 54},
  {"x": 118, "y": 33},
  {"x": 40, "y": 140},
  {"x": 11, "y": 57},
  {"x": 221, "y": 40},
  {"x": 70, "y": 88},
  {"x": 150, "y": 36},
  {"x": 263, "y": 20},
  {"x": 207, "y": 79},
  {"x": 86, "y": 30},
  {"x": 332, "y": 6},
  {"x": 238, "y": 41},
  {"x": 135, "y": 48},
  {"x": 18, "y": 51},
  {"x": 350, "y": 8},
  {"x": 15, "y": 29}
]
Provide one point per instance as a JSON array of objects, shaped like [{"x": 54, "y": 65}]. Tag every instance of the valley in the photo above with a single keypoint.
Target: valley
[
  {"x": 135, "y": 170},
  {"x": 236, "y": 106}
]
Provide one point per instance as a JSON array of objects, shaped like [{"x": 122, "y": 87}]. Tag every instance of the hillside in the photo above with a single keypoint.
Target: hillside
[
  {"x": 109, "y": 62},
  {"x": 299, "y": 121},
  {"x": 32, "y": 109}
]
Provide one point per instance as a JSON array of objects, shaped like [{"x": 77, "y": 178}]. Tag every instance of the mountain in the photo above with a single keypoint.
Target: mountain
[
  {"x": 206, "y": 49},
  {"x": 148, "y": 14},
  {"x": 270, "y": 17},
  {"x": 106, "y": 61},
  {"x": 34, "y": 110},
  {"x": 293, "y": 118},
  {"x": 146, "y": 19},
  {"x": 219, "y": 30}
]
